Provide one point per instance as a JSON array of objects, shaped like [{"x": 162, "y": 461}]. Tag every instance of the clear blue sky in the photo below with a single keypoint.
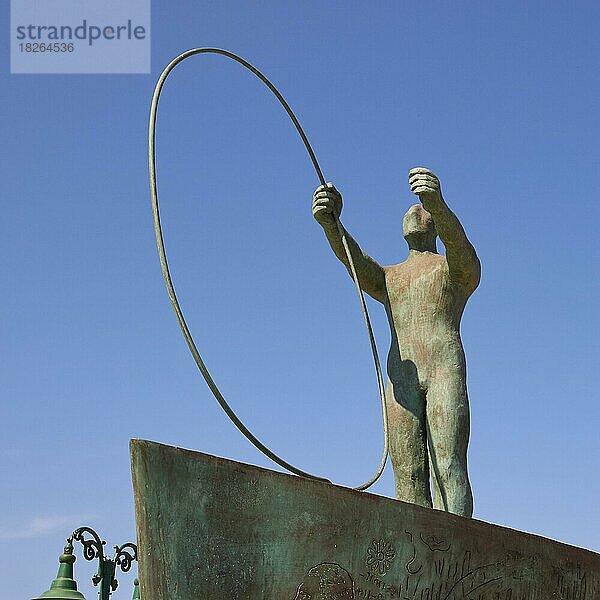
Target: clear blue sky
[{"x": 499, "y": 98}]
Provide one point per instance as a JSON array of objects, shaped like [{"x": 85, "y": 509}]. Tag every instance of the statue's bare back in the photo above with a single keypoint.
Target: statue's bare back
[{"x": 424, "y": 297}]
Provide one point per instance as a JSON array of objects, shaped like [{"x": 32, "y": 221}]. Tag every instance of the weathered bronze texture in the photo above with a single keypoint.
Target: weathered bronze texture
[
  {"x": 424, "y": 298},
  {"x": 210, "y": 528}
]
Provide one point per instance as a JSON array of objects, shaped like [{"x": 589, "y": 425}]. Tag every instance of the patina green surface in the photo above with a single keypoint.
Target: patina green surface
[
  {"x": 424, "y": 298},
  {"x": 210, "y": 528}
]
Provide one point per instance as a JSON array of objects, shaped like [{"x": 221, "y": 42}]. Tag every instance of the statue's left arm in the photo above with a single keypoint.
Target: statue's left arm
[{"x": 463, "y": 263}]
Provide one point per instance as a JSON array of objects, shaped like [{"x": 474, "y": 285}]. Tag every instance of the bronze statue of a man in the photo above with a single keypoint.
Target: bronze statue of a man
[{"x": 424, "y": 298}]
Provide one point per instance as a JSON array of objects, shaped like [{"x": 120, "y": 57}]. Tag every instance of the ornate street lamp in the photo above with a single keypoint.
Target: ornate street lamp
[{"x": 64, "y": 586}]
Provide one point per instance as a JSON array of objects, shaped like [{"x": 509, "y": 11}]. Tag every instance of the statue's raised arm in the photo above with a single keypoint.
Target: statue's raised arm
[
  {"x": 463, "y": 263},
  {"x": 327, "y": 205}
]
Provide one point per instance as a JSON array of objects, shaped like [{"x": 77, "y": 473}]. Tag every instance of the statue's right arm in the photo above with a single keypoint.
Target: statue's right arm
[{"x": 327, "y": 207}]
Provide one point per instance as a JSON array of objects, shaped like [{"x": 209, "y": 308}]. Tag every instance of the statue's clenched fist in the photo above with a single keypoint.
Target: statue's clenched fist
[
  {"x": 327, "y": 204},
  {"x": 425, "y": 184}
]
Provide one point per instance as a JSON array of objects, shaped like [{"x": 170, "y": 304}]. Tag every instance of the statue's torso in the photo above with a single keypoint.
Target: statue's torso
[{"x": 425, "y": 309}]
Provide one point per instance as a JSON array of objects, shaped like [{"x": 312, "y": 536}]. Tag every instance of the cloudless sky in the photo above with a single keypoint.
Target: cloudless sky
[{"x": 500, "y": 99}]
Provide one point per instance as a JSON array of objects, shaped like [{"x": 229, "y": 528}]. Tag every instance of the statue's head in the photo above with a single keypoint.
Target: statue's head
[{"x": 419, "y": 228}]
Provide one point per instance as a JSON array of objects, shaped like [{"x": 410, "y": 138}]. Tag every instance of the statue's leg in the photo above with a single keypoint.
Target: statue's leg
[
  {"x": 408, "y": 444},
  {"x": 448, "y": 435}
]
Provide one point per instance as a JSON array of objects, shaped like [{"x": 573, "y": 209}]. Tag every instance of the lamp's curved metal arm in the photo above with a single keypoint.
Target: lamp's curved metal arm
[
  {"x": 125, "y": 555},
  {"x": 93, "y": 547}
]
